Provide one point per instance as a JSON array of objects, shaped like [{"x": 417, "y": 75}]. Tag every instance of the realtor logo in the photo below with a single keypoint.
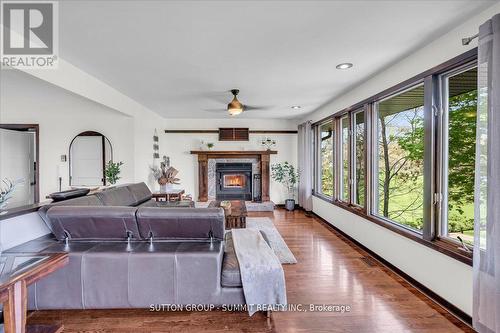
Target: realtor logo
[{"x": 29, "y": 34}]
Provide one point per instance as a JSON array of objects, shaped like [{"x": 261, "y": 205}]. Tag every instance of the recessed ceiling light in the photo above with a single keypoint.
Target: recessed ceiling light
[
  {"x": 344, "y": 65},
  {"x": 295, "y": 107}
]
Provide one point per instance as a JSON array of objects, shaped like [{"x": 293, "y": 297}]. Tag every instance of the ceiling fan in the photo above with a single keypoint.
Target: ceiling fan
[{"x": 235, "y": 107}]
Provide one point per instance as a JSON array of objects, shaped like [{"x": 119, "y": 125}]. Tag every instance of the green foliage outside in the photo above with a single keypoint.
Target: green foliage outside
[
  {"x": 112, "y": 171},
  {"x": 401, "y": 155},
  {"x": 401, "y": 188},
  {"x": 327, "y": 178}
]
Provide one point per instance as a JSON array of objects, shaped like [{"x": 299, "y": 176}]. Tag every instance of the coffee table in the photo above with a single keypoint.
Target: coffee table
[{"x": 236, "y": 217}]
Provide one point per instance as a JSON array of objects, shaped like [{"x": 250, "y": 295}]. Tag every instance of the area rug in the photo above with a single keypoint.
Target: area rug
[{"x": 276, "y": 242}]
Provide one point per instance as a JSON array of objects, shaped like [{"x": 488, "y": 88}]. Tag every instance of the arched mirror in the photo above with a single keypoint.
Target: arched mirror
[{"x": 89, "y": 152}]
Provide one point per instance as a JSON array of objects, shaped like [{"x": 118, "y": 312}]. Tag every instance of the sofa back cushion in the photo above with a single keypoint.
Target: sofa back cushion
[
  {"x": 93, "y": 222},
  {"x": 181, "y": 223},
  {"x": 88, "y": 200},
  {"x": 116, "y": 196},
  {"x": 140, "y": 192}
]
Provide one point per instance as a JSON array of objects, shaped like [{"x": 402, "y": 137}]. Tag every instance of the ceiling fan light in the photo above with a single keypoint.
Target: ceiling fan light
[
  {"x": 234, "y": 112},
  {"x": 235, "y": 107}
]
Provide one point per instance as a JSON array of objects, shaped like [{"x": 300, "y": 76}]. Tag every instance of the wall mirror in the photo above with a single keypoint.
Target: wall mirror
[{"x": 89, "y": 152}]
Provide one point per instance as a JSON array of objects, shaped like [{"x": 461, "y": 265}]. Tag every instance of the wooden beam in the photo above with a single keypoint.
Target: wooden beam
[
  {"x": 233, "y": 152},
  {"x": 190, "y": 131}
]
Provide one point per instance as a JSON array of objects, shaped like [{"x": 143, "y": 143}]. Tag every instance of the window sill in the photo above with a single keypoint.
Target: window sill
[{"x": 441, "y": 245}]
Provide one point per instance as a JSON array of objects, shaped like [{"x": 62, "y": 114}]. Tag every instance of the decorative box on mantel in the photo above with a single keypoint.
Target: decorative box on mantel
[{"x": 262, "y": 156}]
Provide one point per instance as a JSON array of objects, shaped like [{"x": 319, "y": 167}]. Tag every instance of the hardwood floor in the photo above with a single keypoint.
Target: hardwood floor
[{"x": 330, "y": 270}]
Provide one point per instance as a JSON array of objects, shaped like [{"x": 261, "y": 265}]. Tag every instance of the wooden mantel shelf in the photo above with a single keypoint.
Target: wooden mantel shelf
[
  {"x": 233, "y": 152},
  {"x": 263, "y": 157}
]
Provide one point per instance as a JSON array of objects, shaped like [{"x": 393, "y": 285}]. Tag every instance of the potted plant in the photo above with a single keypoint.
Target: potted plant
[
  {"x": 165, "y": 176},
  {"x": 210, "y": 145},
  {"x": 112, "y": 171},
  {"x": 285, "y": 174}
]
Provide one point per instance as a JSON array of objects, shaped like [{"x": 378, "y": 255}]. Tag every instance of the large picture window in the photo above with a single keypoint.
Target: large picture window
[
  {"x": 405, "y": 158},
  {"x": 344, "y": 124},
  {"x": 400, "y": 164},
  {"x": 358, "y": 132},
  {"x": 459, "y": 141},
  {"x": 325, "y": 159}
]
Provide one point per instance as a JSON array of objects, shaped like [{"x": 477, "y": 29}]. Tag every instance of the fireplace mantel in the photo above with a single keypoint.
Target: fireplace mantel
[
  {"x": 232, "y": 153},
  {"x": 263, "y": 156}
]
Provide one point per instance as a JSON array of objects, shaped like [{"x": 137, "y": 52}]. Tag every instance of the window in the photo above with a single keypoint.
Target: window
[
  {"x": 344, "y": 178},
  {"x": 399, "y": 167},
  {"x": 407, "y": 156},
  {"x": 358, "y": 133},
  {"x": 459, "y": 140},
  {"x": 325, "y": 159}
]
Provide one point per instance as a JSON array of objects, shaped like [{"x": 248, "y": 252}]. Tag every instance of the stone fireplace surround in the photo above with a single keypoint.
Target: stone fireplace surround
[
  {"x": 207, "y": 161},
  {"x": 212, "y": 177}
]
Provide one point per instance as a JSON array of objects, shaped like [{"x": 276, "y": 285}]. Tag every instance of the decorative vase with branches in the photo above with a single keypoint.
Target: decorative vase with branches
[
  {"x": 112, "y": 171},
  {"x": 165, "y": 175}
]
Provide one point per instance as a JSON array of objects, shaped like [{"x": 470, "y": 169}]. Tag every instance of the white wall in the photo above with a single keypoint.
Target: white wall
[
  {"x": 447, "y": 277},
  {"x": 21, "y": 229},
  {"x": 178, "y": 146},
  {"x": 61, "y": 116}
]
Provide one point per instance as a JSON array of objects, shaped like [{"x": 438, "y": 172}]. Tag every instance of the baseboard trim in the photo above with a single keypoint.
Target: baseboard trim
[{"x": 443, "y": 303}]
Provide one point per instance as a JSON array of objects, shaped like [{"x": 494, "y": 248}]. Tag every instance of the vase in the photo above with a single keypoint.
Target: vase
[
  {"x": 166, "y": 187},
  {"x": 290, "y": 204}
]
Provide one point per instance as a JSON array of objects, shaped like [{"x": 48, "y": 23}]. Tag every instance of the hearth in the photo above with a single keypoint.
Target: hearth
[{"x": 233, "y": 181}]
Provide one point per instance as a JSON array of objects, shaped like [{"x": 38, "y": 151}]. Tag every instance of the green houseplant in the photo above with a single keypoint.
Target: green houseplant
[
  {"x": 285, "y": 174},
  {"x": 112, "y": 171}
]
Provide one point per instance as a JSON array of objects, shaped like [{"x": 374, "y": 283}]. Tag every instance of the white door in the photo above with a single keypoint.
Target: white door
[
  {"x": 86, "y": 161},
  {"x": 17, "y": 164}
]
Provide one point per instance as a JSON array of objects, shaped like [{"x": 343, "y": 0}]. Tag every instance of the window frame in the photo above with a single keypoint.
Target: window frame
[
  {"x": 431, "y": 235},
  {"x": 354, "y": 187},
  {"x": 375, "y": 156},
  {"x": 442, "y": 129},
  {"x": 317, "y": 188}
]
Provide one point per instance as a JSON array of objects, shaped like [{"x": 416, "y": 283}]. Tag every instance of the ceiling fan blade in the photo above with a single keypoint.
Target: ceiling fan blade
[
  {"x": 215, "y": 110},
  {"x": 256, "y": 108}
]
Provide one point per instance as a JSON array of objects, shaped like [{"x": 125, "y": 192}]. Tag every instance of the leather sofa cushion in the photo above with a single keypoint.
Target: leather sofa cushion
[
  {"x": 140, "y": 192},
  {"x": 88, "y": 200},
  {"x": 181, "y": 223},
  {"x": 93, "y": 222},
  {"x": 117, "y": 196}
]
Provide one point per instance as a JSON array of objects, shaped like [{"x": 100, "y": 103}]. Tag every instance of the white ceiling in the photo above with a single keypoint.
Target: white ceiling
[{"x": 179, "y": 57}]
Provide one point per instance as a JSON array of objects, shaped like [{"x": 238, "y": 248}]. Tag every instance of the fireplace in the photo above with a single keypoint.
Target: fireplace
[
  {"x": 233, "y": 181},
  {"x": 208, "y": 181}
]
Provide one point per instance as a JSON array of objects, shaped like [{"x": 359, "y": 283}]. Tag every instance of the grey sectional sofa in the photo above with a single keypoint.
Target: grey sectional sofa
[{"x": 127, "y": 252}]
